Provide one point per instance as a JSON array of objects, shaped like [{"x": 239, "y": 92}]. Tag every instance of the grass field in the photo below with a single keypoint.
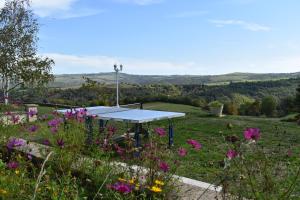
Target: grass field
[{"x": 210, "y": 131}]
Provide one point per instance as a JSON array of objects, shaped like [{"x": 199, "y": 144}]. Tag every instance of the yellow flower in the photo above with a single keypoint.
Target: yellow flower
[
  {"x": 157, "y": 182},
  {"x": 17, "y": 172},
  {"x": 122, "y": 179},
  {"x": 155, "y": 189},
  {"x": 131, "y": 181},
  {"x": 3, "y": 191}
]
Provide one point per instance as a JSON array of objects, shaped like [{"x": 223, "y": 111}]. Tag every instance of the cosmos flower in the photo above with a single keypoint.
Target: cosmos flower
[
  {"x": 33, "y": 128},
  {"x": 195, "y": 144},
  {"x": 160, "y": 131},
  {"x": 46, "y": 142},
  {"x": 60, "y": 142},
  {"x": 121, "y": 187},
  {"x": 182, "y": 152},
  {"x": 14, "y": 143},
  {"x": 32, "y": 113},
  {"x": 252, "y": 134},
  {"x": 231, "y": 154},
  {"x": 164, "y": 166},
  {"x": 12, "y": 165}
]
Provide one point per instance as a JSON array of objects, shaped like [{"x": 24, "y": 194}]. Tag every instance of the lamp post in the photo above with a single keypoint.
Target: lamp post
[{"x": 117, "y": 70}]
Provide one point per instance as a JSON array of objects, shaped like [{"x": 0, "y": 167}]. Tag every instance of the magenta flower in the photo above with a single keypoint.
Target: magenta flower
[
  {"x": 160, "y": 131},
  {"x": 119, "y": 149},
  {"x": 46, "y": 142},
  {"x": 164, "y": 166},
  {"x": 252, "y": 134},
  {"x": 14, "y": 143},
  {"x": 69, "y": 115},
  {"x": 231, "y": 154},
  {"x": 15, "y": 118},
  {"x": 33, "y": 128},
  {"x": 55, "y": 122},
  {"x": 121, "y": 187},
  {"x": 12, "y": 165},
  {"x": 60, "y": 142},
  {"x": 29, "y": 156},
  {"x": 81, "y": 113},
  {"x": 53, "y": 130},
  {"x": 111, "y": 129},
  {"x": 182, "y": 152},
  {"x": 195, "y": 144},
  {"x": 31, "y": 113}
]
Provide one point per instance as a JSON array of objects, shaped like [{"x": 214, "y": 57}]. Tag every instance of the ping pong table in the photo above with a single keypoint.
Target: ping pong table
[{"x": 127, "y": 115}]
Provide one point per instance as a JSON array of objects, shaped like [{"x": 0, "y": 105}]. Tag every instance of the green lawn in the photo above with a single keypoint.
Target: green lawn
[{"x": 210, "y": 132}]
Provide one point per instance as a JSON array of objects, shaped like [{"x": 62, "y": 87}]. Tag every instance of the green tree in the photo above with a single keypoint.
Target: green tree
[
  {"x": 19, "y": 62},
  {"x": 268, "y": 106}
]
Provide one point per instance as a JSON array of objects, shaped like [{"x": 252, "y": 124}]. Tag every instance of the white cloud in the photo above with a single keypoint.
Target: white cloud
[
  {"x": 243, "y": 24},
  {"x": 61, "y": 9},
  {"x": 69, "y": 64},
  {"x": 188, "y": 14},
  {"x": 140, "y": 2}
]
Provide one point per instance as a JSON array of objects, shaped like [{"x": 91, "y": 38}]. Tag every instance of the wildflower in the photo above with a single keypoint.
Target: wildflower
[
  {"x": 32, "y": 113},
  {"x": 29, "y": 156},
  {"x": 252, "y": 134},
  {"x": 14, "y": 143},
  {"x": 46, "y": 142},
  {"x": 15, "y": 119},
  {"x": 17, "y": 172},
  {"x": 81, "y": 113},
  {"x": 158, "y": 182},
  {"x": 119, "y": 149},
  {"x": 121, "y": 187},
  {"x": 33, "y": 128},
  {"x": 69, "y": 115},
  {"x": 111, "y": 129},
  {"x": 131, "y": 181},
  {"x": 3, "y": 192},
  {"x": 55, "y": 122},
  {"x": 195, "y": 144},
  {"x": 60, "y": 143},
  {"x": 155, "y": 189},
  {"x": 53, "y": 130},
  {"x": 160, "y": 131},
  {"x": 44, "y": 117},
  {"x": 121, "y": 179},
  {"x": 12, "y": 165},
  {"x": 231, "y": 154},
  {"x": 182, "y": 152},
  {"x": 164, "y": 166}
]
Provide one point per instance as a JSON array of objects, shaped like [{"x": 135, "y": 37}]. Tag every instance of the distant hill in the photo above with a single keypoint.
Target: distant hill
[{"x": 75, "y": 80}]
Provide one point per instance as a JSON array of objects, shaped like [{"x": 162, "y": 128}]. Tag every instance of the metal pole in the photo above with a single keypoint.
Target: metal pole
[{"x": 117, "y": 80}]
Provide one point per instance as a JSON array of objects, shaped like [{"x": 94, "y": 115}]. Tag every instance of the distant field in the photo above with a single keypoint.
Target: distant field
[{"x": 211, "y": 131}]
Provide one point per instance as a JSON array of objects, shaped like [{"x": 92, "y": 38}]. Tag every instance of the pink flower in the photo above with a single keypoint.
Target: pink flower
[
  {"x": 231, "y": 154},
  {"x": 111, "y": 129},
  {"x": 195, "y": 144},
  {"x": 15, "y": 118},
  {"x": 46, "y": 142},
  {"x": 32, "y": 113},
  {"x": 252, "y": 134},
  {"x": 33, "y": 128},
  {"x": 12, "y": 165},
  {"x": 182, "y": 152},
  {"x": 60, "y": 143},
  {"x": 164, "y": 166},
  {"x": 121, "y": 187},
  {"x": 14, "y": 143},
  {"x": 160, "y": 131},
  {"x": 53, "y": 130}
]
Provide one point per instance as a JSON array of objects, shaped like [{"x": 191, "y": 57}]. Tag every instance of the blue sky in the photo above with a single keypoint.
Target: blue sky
[{"x": 170, "y": 36}]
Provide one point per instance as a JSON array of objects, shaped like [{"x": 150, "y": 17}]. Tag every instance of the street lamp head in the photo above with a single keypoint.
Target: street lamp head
[
  {"x": 121, "y": 67},
  {"x": 115, "y": 67}
]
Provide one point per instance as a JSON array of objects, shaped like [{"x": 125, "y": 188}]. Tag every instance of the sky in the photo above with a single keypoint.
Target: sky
[{"x": 167, "y": 37}]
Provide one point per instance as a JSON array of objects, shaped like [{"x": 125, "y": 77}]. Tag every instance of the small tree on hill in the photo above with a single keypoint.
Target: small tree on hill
[
  {"x": 268, "y": 106},
  {"x": 19, "y": 63}
]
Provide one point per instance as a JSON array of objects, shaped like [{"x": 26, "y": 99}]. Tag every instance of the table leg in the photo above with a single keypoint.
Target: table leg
[
  {"x": 137, "y": 135},
  {"x": 171, "y": 134},
  {"x": 89, "y": 130},
  {"x": 101, "y": 126}
]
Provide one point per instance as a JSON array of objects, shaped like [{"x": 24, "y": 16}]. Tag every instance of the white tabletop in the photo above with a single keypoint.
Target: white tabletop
[{"x": 128, "y": 115}]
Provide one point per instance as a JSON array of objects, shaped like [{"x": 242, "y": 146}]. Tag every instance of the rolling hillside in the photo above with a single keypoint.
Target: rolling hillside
[{"x": 75, "y": 80}]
